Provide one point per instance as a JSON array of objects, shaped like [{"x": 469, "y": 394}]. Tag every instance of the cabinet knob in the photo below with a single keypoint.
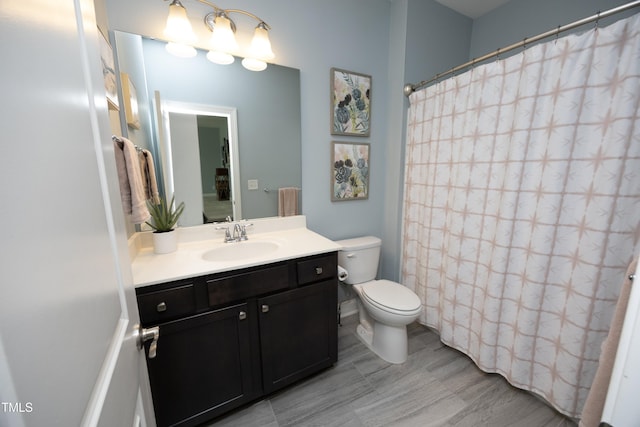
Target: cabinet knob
[
  {"x": 265, "y": 308},
  {"x": 318, "y": 270},
  {"x": 161, "y": 307},
  {"x": 242, "y": 315}
]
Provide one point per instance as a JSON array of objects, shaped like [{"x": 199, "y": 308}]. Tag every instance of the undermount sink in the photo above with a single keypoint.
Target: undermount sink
[{"x": 241, "y": 250}]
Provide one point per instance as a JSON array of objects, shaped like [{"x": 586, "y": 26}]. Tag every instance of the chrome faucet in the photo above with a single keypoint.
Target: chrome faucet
[
  {"x": 237, "y": 232},
  {"x": 227, "y": 234}
]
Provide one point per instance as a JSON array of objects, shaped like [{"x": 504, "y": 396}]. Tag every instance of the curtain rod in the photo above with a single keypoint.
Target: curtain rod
[{"x": 410, "y": 88}]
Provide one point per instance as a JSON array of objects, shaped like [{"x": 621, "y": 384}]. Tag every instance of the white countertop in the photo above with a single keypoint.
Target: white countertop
[{"x": 290, "y": 235}]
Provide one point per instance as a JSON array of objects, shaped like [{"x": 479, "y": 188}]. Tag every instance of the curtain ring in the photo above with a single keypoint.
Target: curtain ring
[
  {"x": 597, "y": 21},
  {"x": 557, "y": 35},
  {"x": 498, "y": 54}
]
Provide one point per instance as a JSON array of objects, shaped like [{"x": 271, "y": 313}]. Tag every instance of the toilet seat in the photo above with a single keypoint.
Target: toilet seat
[{"x": 391, "y": 297}]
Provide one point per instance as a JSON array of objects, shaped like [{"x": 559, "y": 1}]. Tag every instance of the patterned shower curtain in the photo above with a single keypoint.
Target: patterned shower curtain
[{"x": 522, "y": 207}]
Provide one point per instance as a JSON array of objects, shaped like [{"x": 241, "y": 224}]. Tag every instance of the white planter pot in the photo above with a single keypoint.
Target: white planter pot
[{"x": 166, "y": 242}]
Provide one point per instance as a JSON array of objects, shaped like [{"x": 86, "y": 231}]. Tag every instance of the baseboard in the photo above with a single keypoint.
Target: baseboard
[{"x": 348, "y": 308}]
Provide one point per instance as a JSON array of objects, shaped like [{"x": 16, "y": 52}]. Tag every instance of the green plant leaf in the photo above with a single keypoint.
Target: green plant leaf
[{"x": 164, "y": 215}]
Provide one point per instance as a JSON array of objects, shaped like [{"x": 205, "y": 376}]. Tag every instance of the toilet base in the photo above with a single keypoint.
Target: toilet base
[{"x": 388, "y": 342}]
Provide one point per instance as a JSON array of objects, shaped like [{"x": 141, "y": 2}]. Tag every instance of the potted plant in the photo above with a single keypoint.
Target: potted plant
[{"x": 164, "y": 218}]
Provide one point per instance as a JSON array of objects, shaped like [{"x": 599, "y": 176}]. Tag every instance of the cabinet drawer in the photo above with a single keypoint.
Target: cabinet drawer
[
  {"x": 318, "y": 268},
  {"x": 241, "y": 286},
  {"x": 167, "y": 304}
]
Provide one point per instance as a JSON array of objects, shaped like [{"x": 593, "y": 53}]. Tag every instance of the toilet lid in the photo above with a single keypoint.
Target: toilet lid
[{"x": 391, "y": 295}]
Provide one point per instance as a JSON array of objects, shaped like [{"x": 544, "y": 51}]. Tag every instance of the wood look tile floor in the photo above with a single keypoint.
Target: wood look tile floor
[{"x": 437, "y": 386}]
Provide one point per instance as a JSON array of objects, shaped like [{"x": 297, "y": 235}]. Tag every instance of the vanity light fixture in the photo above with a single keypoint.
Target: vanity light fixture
[
  {"x": 178, "y": 30},
  {"x": 223, "y": 41}
]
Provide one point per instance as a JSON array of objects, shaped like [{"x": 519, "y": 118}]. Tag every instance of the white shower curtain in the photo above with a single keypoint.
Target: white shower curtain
[{"x": 522, "y": 207}]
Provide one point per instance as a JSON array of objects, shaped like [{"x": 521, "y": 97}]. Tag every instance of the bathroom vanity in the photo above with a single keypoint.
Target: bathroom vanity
[{"x": 243, "y": 329}]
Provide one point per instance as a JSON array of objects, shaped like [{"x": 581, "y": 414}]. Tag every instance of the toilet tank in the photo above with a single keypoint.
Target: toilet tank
[{"x": 360, "y": 258}]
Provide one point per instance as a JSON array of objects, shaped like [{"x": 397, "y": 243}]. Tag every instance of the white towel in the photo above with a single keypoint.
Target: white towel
[
  {"x": 288, "y": 201},
  {"x": 130, "y": 178}
]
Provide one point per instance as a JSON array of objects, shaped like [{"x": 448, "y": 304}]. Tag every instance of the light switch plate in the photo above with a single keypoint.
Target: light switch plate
[{"x": 252, "y": 184}]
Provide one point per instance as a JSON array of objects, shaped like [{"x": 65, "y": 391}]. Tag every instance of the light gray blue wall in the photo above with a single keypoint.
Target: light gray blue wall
[
  {"x": 438, "y": 38},
  {"x": 426, "y": 38},
  {"x": 518, "y": 19}
]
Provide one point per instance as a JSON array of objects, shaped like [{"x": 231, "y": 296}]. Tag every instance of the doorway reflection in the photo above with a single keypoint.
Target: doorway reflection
[
  {"x": 213, "y": 142},
  {"x": 200, "y": 160}
]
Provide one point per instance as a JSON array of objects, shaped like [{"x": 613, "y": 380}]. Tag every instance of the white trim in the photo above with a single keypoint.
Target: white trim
[
  {"x": 98, "y": 395},
  {"x": 348, "y": 308},
  {"x": 139, "y": 419}
]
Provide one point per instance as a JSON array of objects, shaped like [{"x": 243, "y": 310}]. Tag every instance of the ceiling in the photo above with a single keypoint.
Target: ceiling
[{"x": 472, "y": 8}]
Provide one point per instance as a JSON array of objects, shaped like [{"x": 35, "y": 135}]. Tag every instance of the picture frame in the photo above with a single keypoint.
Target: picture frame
[
  {"x": 350, "y": 103},
  {"x": 350, "y": 171},
  {"x": 109, "y": 72},
  {"x": 130, "y": 100}
]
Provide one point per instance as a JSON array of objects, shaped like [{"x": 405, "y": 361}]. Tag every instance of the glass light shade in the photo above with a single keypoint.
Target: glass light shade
[
  {"x": 181, "y": 50},
  {"x": 221, "y": 58},
  {"x": 178, "y": 28},
  {"x": 222, "y": 38},
  {"x": 254, "y": 64},
  {"x": 260, "y": 44}
]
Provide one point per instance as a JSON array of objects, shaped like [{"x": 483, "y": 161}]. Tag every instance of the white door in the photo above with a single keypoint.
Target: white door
[
  {"x": 621, "y": 408},
  {"x": 67, "y": 355}
]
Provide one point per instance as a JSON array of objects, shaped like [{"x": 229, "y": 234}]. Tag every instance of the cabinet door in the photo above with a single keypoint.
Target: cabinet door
[
  {"x": 298, "y": 332},
  {"x": 202, "y": 367}
]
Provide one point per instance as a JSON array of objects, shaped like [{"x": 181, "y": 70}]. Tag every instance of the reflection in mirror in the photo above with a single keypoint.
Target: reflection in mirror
[
  {"x": 200, "y": 157},
  {"x": 268, "y": 119},
  {"x": 215, "y": 167}
]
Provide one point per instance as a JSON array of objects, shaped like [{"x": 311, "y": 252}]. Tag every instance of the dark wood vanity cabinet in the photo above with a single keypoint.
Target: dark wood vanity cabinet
[
  {"x": 238, "y": 336},
  {"x": 297, "y": 333},
  {"x": 203, "y": 366}
]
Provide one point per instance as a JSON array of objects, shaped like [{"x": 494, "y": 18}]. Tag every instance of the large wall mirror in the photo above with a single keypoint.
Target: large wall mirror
[{"x": 225, "y": 139}]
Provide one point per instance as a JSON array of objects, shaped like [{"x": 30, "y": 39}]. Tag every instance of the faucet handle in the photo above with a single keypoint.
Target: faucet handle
[
  {"x": 243, "y": 232},
  {"x": 227, "y": 234}
]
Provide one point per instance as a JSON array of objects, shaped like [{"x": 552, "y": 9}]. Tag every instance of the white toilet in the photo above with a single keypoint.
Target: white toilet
[{"x": 385, "y": 307}]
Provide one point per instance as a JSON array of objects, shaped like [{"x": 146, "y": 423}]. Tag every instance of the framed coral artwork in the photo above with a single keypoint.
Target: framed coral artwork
[
  {"x": 350, "y": 171},
  {"x": 350, "y": 103}
]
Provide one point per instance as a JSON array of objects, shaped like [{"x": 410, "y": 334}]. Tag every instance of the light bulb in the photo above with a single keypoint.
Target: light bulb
[
  {"x": 254, "y": 64},
  {"x": 260, "y": 44},
  {"x": 223, "y": 39},
  {"x": 221, "y": 58},
  {"x": 178, "y": 28}
]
